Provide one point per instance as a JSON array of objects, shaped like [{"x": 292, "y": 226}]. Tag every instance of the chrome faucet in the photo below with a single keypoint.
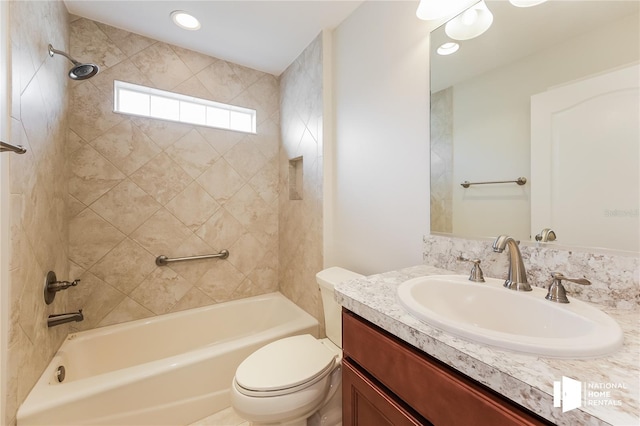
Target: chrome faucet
[
  {"x": 58, "y": 319},
  {"x": 517, "y": 279}
]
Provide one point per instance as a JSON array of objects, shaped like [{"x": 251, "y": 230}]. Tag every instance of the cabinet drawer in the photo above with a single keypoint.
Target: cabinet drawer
[
  {"x": 366, "y": 404},
  {"x": 439, "y": 393}
]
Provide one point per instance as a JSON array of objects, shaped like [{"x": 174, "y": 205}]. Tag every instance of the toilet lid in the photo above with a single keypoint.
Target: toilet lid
[{"x": 285, "y": 363}]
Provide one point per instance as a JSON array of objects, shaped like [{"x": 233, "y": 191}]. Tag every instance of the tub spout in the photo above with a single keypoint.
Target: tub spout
[{"x": 58, "y": 319}]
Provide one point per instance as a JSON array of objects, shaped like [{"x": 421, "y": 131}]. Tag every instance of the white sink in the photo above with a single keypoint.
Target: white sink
[{"x": 521, "y": 321}]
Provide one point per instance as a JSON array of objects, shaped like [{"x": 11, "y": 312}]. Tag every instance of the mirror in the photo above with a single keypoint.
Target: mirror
[{"x": 483, "y": 100}]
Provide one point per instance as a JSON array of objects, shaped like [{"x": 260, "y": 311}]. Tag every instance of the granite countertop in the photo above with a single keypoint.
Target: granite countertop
[{"x": 526, "y": 379}]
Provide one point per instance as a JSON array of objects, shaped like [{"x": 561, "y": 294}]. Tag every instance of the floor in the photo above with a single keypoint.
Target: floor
[{"x": 226, "y": 417}]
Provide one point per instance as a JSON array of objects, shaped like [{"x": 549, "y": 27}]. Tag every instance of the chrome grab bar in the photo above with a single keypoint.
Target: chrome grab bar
[
  {"x": 18, "y": 149},
  {"x": 519, "y": 181},
  {"x": 163, "y": 260}
]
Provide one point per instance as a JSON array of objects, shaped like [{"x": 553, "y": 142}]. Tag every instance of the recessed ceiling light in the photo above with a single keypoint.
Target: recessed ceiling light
[
  {"x": 185, "y": 20},
  {"x": 448, "y": 48}
]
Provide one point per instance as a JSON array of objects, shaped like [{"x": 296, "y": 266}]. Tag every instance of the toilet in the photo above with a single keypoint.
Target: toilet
[{"x": 296, "y": 381}]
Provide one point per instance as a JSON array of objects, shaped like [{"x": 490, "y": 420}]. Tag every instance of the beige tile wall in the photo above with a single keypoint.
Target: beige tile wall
[
  {"x": 139, "y": 188},
  {"x": 442, "y": 161},
  {"x": 301, "y": 220},
  {"x": 99, "y": 195},
  {"x": 39, "y": 225}
]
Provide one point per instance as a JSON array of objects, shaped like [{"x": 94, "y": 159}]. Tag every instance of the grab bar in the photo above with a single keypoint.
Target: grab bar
[
  {"x": 163, "y": 260},
  {"x": 519, "y": 181},
  {"x": 18, "y": 149}
]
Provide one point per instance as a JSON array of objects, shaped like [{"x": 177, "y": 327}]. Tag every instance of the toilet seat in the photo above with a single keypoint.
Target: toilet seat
[{"x": 285, "y": 366}]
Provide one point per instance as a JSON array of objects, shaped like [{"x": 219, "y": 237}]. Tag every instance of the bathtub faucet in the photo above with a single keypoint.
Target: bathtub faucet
[{"x": 58, "y": 319}]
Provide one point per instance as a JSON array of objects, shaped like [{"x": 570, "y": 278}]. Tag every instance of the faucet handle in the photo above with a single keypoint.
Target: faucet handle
[
  {"x": 62, "y": 285},
  {"x": 560, "y": 276},
  {"x": 556, "y": 292},
  {"x": 476, "y": 272}
]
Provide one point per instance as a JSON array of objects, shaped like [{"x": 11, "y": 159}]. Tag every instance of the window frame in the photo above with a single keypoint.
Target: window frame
[{"x": 192, "y": 101}]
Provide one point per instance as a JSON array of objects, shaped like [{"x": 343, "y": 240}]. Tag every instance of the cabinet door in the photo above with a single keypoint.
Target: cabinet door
[{"x": 366, "y": 404}]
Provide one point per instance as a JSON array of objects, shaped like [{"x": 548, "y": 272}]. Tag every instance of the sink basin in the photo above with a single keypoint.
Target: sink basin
[{"x": 515, "y": 320}]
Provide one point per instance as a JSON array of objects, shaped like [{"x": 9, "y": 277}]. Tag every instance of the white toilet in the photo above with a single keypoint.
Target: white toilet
[{"x": 296, "y": 380}]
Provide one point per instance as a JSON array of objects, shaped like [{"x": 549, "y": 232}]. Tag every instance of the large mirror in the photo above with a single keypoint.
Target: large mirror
[{"x": 545, "y": 94}]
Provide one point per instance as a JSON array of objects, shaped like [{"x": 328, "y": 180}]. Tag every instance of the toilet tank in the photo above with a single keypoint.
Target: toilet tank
[{"x": 327, "y": 280}]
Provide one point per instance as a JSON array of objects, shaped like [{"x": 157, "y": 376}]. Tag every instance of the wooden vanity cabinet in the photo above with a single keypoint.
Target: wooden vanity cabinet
[
  {"x": 389, "y": 382},
  {"x": 367, "y": 403}
]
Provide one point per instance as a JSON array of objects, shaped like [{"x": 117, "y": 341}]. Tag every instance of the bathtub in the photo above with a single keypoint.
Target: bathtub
[{"x": 173, "y": 369}]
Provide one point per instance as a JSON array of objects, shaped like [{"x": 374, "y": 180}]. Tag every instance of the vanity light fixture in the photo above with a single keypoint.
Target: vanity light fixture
[
  {"x": 526, "y": 3},
  {"x": 448, "y": 48},
  {"x": 185, "y": 20},
  {"x": 471, "y": 23},
  {"x": 436, "y": 9}
]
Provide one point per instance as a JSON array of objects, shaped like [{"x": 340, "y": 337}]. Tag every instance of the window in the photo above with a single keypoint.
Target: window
[{"x": 148, "y": 102}]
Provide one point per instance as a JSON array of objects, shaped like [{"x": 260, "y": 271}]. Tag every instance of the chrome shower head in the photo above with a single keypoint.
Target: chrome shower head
[{"x": 79, "y": 71}]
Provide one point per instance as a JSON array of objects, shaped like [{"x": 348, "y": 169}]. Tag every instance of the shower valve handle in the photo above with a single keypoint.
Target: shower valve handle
[
  {"x": 62, "y": 285},
  {"x": 52, "y": 286}
]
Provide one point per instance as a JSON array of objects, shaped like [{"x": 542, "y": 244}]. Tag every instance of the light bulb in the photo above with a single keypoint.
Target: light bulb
[
  {"x": 469, "y": 16},
  {"x": 470, "y": 23},
  {"x": 436, "y": 9},
  {"x": 526, "y": 3}
]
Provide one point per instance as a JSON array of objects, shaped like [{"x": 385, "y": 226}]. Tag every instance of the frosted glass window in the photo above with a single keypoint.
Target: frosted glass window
[
  {"x": 241, "y": 121},
  {"x": 149, "y": 102},
  {"x": 164, "y": 108},
  {"x": 192, "y": 113},
  {"x": 134, "y": 103},
  {"x": 218, "y": 117}
]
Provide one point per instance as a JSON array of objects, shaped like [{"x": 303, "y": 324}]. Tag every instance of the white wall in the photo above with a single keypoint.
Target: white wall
[
  {"x": 491, "y": 143},
  {"x": 380, "y": 179}
]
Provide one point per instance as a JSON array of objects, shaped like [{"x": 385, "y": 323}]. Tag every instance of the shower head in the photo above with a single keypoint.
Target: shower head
[{"x": 78, "y": 71}]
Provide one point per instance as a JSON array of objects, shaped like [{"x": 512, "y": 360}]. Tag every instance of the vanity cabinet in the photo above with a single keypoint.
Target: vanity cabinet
[
  {"x": 389, "y": 382},
  {"x": 367, "y": 403}
]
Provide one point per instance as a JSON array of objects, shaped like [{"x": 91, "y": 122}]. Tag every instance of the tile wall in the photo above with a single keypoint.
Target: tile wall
[
  {"x": 301, "y": 219},
  {"x": 442, "y": 161},
  {"x": 139, "y": 188},
  {"x": 39, "y": 225}
]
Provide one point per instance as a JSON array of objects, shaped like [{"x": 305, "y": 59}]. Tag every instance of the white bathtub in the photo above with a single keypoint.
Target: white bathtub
[{"x": 172, "y": 369}]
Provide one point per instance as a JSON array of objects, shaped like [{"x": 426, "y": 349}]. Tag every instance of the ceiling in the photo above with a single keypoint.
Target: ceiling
[
  {"x": 260, "y": 34},
  {"x": 519, "y": 32}
]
